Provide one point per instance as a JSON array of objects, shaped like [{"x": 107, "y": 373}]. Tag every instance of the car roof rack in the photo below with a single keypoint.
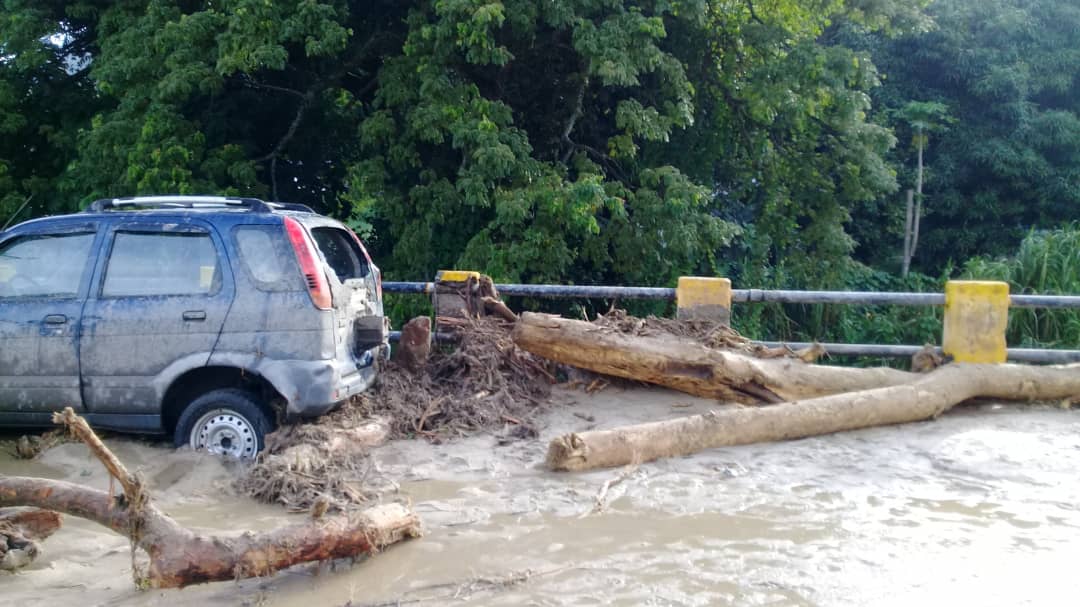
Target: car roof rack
[
  {"x": 193, "y": 202},
  {"x": 290, "y": 206}
]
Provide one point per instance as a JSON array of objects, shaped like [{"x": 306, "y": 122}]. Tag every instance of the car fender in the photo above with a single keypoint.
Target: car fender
[{"x": 293, "y": 380}]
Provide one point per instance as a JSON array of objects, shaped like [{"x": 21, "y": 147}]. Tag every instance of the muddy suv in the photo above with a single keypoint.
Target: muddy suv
[{"x": 204, "y": 317}]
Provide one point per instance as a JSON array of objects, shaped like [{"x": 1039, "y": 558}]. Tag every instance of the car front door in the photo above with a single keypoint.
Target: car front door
[
  {"x": 44, "y": 278},
  {"x": 162, "y": 291}
]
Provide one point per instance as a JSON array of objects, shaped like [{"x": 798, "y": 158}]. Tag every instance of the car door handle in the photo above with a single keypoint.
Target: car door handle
[
  {"x": 194, "y": 315},
  {"x": 55, "y": 319}
]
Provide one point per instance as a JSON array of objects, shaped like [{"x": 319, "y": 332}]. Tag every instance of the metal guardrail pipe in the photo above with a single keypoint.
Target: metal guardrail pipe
[
  {"x": 851, "y": 349},
  {"x": 1053, "y": 357},
  {"x": 395, "y": 337},
  {"x": 836, "y": 297},
  {"x": 585, "y": 291},
  {"x": 1027, "y": 355},
  {"x": 1044, "y": 301},
  {"x": 421, "y": 288},
  {"x": 552, "y": 291},
  {"x": 866, "y": 298},
  {"x": 737, "y": 295}
]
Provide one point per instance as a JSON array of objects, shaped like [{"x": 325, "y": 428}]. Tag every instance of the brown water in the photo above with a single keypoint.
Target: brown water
[{"x": 979, "y": 507}]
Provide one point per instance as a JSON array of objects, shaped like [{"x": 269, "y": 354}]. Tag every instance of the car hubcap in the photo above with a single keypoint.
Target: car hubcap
[{"x": 223, "y": 432}]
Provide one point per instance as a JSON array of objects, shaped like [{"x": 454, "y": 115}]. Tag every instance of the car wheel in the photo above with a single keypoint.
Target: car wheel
[{"x": 227, "y": 422}]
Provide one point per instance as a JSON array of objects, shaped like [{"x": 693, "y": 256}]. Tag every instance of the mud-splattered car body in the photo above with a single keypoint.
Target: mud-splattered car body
[{"x": 130, "y": 311}]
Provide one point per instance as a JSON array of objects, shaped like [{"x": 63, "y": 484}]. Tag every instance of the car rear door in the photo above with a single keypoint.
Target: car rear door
[
  {"x": 161, "y": 294},
  {"x": 44, "y": 278},
  {"x": 357, "y": 303}
]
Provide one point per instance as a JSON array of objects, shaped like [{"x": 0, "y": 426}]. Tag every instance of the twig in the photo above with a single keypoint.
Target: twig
[
  {"x": 131, "y": 484},
  {"x": 601, "y": 496},
  {"x": 431, "y": 409},
  {"x": 597, "y": 385}
]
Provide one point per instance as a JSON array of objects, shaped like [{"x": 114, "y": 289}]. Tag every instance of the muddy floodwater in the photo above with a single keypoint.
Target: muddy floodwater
[{"x": 981, "y": 507}]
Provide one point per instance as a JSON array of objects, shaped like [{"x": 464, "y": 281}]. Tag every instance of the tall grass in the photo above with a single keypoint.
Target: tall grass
[{"x": 1048, "y": 263}]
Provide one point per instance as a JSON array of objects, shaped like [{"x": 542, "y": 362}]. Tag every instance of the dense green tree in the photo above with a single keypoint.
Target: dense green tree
[
  {"x": 1009, "y": 71},
  {"x": 584, "y": 140},
  {"x": 46, "y": 97}
]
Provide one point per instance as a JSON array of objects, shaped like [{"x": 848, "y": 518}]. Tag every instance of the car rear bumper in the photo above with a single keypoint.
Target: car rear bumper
[{"x": 320, "y": 386}]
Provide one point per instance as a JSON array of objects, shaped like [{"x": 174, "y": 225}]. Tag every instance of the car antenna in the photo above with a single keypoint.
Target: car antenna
[{"x": 16, "y": 214}]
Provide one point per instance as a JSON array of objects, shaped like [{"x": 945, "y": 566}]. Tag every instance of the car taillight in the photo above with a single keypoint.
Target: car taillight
[
  {"x": 307, "y": 257},
  {"x": 374, "y": 268}
]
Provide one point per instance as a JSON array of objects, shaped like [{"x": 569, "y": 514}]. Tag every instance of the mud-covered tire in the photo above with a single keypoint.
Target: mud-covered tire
[{"x": 229, "y": 422}]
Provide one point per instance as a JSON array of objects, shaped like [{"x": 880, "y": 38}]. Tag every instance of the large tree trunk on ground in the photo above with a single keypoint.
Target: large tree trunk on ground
[
  {"x": 926, "y": 398},
  {"x": 690, "y": 367},
  {"x": 180, "y": 557}
]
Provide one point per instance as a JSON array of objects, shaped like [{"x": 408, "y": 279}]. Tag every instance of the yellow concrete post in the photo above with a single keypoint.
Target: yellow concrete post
[
  {"x": 448, "y": 298},
  {"x": 699, "y": 297},
  {"x": 976, "y": 315}
]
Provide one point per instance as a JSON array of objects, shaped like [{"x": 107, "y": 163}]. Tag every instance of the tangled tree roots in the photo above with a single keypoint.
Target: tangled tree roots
[
  {"x": 484, "y": 382},
  {"x": 321, "y": 466},
  {"x": 30, "y": 446}
]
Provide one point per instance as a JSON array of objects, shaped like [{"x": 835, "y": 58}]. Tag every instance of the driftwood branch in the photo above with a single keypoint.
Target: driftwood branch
[
  {"x": 928, "y": 397},
  {"x": 817, "y": 399},
  {"x": 180, "y": 557},
  {"x": 77, "y": 427},
  {"x": 691, "y": 367}
]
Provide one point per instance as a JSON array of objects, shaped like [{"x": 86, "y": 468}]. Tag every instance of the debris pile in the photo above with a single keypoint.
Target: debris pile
[
  {"x": 484, "y": 382},
  {"x": 710, "y": 333}
]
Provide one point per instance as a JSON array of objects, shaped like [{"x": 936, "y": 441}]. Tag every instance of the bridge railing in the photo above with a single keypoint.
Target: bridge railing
[{"x": 973, "y": 329}]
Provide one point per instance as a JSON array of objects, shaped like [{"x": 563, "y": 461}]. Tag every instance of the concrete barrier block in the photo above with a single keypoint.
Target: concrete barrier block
[
  {"x": 700, "y": 297},
  {"x": 976, "y": 316}
]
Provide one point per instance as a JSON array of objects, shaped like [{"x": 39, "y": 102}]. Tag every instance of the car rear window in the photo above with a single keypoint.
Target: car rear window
[
  {"x": 267, "y": 258},
  {"x": 341, "y": 253}
]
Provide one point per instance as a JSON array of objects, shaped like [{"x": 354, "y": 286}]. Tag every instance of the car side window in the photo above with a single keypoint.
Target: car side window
[
  {"x": 162, "y": 263},
  {"x": 47, "y": 265},
  {"x": 267, "y": 258}
]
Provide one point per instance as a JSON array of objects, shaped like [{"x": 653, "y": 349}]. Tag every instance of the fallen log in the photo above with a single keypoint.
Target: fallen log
[
  {"x": 180, "y": 557},
  {"x": 21, "y": 530},
  {"x": 926, "y": 398},
  {"x": 690, "y": 367}
]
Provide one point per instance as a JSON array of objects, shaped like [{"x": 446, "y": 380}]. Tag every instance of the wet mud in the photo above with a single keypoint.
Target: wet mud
[{"x": 978, "y": 507}]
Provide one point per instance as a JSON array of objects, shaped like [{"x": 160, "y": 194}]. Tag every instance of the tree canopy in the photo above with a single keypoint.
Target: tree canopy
[
  {"x": 1009, "y": 73},
  {"x": 588, "y": 141},
  {"x": 585, "y": 140}
]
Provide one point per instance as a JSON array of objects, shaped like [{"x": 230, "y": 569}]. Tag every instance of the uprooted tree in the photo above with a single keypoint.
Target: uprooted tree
[
  {"x": 180, "y": 557},
  {"x": 806, "y": 400}
]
